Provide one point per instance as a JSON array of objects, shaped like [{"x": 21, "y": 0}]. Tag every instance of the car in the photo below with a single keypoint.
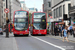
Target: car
[{"x": 1, "y": 31}]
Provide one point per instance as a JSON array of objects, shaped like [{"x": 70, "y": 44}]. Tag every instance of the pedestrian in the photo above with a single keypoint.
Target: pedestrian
[
  {"x": 65, "y": 34},
  {"x": 58, "y": 30},
  {"x": 74, "y": 30},
  {"x": 61, "y": 28},
  {"x": 55, "y": 30},
  {"x": 68, "y": 30},
  {"x": 71, "y": 29},
  {"x": 11, "y": 27}
]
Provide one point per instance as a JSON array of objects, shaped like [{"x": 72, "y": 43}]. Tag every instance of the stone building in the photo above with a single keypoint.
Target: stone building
[{"x": 1, "y": 11}]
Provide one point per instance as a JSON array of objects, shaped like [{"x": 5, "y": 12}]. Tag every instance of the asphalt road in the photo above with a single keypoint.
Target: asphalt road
[{"x": 43, "y": 43}]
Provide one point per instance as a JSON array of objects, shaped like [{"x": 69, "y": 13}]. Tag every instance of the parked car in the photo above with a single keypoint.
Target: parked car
[{"x": 1, "y": 31}]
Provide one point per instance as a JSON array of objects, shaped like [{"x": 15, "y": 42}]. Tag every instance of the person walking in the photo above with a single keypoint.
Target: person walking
[
  {"x": 58, "y": 31},
  {"x": 61, "y": 28},
  {"x": 68, "y": 31},
  {"x": 55, "y": 30},
  {"x": 74, "y": 30},
  {"x": 71, "y": 29},
  {"x": 65, "y": 34}
]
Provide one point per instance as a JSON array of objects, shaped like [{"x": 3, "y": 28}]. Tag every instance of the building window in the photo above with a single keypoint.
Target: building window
[
  {"x": 49, "y": 14},
  {"x": 4, "y": 15},
  {"x": 49, "y": 3},
  {"x": 69, "y": 7},
  {"x": 63, "y": 9},
  {"x": 57, "y": 12},
  {"x": 66, "y": 0},
  {"x": 3, "y": 0},
  {"x": 4, "y": 4},
  {"x": 60, "y": 11},
  {"x": 54, "y": 13}
]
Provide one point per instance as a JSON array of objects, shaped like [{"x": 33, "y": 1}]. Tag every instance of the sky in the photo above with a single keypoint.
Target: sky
[{"x": 34, "y": 3}]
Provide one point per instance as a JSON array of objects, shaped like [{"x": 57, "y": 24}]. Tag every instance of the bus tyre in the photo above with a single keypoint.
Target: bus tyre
[
  {"x": 27, "y": 35},
  {"x": 15, "y": 35},
  {"x": 1, "y": 33},
  {"x": 44, "y": 35},
  {"x": 32, "y": 33}
]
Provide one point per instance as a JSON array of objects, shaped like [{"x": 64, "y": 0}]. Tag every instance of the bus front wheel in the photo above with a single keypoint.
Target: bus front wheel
[
  {"x": 27, "y": 35},
  {"x": 15, "y": 35}
]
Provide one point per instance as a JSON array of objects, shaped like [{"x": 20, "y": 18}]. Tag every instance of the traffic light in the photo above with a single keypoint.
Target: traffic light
[
  {"x": 49, "y": 14},
  {"x": 7, "y": 21},
  {"x": 65, "y": 17}
]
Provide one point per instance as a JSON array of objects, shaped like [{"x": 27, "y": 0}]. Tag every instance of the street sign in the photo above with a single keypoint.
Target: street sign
[{"x": 6, "y": 10}]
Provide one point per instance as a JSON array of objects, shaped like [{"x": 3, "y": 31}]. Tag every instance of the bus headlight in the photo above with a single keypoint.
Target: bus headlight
[
  {"x": 44, "y": 30},
  {"x": 34, "y": 30},
  {"x": 15, "y": 32}
]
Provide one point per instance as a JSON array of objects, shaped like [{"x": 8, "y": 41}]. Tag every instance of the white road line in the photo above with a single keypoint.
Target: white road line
[{"x": 49, "y": 43}]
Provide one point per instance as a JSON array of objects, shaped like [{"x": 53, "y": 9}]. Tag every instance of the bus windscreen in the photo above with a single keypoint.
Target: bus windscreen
[
  {"x": 39, "y": 21},
  {"x": 21, "y": 20},
  {"x": 21, "y": 14},
  {"x": 21, "y": 26},
  {"x": 39, "y": 26},
  {"x": 39, "y": 17}
]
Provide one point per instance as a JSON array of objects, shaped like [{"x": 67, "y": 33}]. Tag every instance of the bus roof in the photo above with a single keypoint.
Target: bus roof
[
  {"x": 39, "y": 12},
  {"x": 20, "y": 10}
]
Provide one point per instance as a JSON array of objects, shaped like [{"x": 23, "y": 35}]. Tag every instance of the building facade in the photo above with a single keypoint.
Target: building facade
[
  {"x": 31, "y": 10},
  {"x": 59, "y": 8},
  {"x": 13, "y": 5},
  {"x": 23, "y": 5},
  {"x": 1, "y": 11},
  {"x": 72, "y": 12},
  {"x": 47, "y": 9}
]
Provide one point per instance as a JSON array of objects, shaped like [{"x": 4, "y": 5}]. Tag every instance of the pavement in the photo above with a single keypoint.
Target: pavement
[
  {"x": 47, "y": 42},
  {"x": 8, "y": 43},
  {"x": 70, "y": 37}
]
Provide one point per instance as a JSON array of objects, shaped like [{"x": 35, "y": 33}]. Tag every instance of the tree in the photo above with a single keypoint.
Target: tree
[{"x": 29, "y": 17}]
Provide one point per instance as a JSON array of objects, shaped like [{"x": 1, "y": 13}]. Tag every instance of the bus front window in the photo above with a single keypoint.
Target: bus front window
[
  {"x": 21, "y": 20},
  {"x": 21, "y": 24},
  {"x": 39, "y": 26}
]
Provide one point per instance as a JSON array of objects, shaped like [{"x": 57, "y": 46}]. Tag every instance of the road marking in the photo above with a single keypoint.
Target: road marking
[
  {"x": 15, "y": 45},
  {"x": 49, "y": 43}
]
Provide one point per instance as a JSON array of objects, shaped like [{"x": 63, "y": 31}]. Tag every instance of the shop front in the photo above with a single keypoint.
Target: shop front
[
  {"x": 56, "y": 23},
  {"x": 72, "y": 18}
]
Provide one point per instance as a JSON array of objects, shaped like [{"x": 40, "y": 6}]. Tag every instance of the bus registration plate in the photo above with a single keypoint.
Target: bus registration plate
[
  {"x": 39, "y": 33},
  {"x": 21, "y": 34}
]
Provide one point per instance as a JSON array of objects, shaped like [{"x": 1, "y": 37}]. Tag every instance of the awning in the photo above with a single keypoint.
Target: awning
[{"x": 61, "y": 23}]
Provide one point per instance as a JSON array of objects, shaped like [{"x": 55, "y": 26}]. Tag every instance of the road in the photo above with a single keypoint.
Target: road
[{"x": 43, "y": 43}]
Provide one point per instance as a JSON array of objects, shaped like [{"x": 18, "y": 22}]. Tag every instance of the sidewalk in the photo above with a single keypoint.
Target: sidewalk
[
  {"x": 70, "y": 38},
  {"x": 8, "y": 43}
]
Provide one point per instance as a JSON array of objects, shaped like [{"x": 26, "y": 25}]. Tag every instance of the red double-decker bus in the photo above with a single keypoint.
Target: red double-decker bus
[
  {"x": 39, "y": 23},
  {"x": 21, "y": 22}
]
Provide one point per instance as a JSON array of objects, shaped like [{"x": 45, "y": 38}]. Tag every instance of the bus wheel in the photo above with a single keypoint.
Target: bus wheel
[
  {"x": 27, "y": 35},
  {"x": 15, "y": 35},
  {"x": 32, "y": 34},
  {"x": 44, "y": 35}
]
